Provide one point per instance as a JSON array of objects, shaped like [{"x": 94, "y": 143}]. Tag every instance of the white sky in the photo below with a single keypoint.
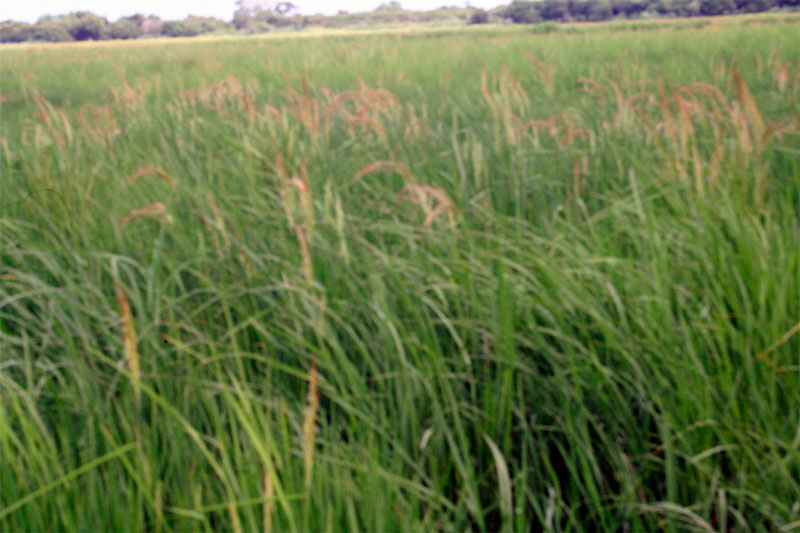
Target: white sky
[{"x": 31, "y": 10}]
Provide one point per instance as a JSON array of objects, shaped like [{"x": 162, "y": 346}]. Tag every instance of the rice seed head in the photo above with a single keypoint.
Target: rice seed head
[
  {"x": 340, "y": 230},
  {"x": 156, "y": 211},
  {"x": 129, "y": 340},
  {"x": 152, "y": 171},
  {"x": 99, "y": 124},
  {"x": 132, "y": 97},
  {"x": 433, "y": 201},
  {"x": 782, "y": 77},
  {"x": 284, "y": 187},
  {"x": 308, "y": 264},
  {"x": 592, "y": 88},
  {"x": 56, "y": 121},
  {"x": 739, "y": 122},
  {"x": 244, "y": 259},
  {"x": 220, "y": 220},
  {"x": 668, "y": 119},
  {"x": 309, "y": 423},
  {"x": 6, "y": 149},
  {"x": 303, "y": 107},
  {"x": 716, "y": 155},
  {"x": 688, "y": 141},
  {"x": 776, "y": 129},
  {"x": 210, "y": 230},
  {"x": 306, "y": 200},
  {"x": 386, "y": 166},
  {"x": 749, "y": 105},
  {"x": 487, "y": 95}
]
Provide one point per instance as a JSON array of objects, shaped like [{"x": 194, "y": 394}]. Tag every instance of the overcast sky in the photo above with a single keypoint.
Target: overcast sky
[{"x": 31, "y": 10}]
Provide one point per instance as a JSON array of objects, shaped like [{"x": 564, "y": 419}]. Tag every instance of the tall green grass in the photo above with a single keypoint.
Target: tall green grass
[{"x": 402, "y": 282}]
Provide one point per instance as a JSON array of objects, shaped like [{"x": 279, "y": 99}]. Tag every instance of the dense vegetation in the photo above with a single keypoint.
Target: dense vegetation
[
  {"x": 598, "y": 10},
  {"x": 479, "y": 279},
  {"x": 81, "y": 26}
]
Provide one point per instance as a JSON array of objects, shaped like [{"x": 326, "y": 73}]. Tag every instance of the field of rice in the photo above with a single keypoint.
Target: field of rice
[{"x": 475, "y": 280}]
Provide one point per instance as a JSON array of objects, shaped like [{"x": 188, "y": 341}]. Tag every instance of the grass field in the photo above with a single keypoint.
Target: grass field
[{"x": 430, "y": 281}]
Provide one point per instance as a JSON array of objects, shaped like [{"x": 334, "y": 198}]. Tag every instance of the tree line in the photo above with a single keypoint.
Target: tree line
[
  {"x": 83, "y": 25},
  {"x": 598, "y": 10}
]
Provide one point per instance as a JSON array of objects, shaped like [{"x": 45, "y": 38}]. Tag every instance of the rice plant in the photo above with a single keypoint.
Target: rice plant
[{"x": 482, "y": 280}]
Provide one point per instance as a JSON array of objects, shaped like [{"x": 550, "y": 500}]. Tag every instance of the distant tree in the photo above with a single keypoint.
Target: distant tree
[
  {"x": 255, "y": 16},
  {"x": 390, "y": 6},
  {"x": 84, "y": 26},
  {"x": 241, "y": 20},
  {"x": 599, "y": 10},
  {"x": 125, "y": 28},
  {"x": 577, "y": 9},
  {"x": 479, "y": 16},
  {"x": 151, "y": 25},
  {"x": 710, "y": 8},
  {"x": 206, "y": 24},
  {"x": 50, "y": 31},
  {"x": 678, "y": 8},
  {"x": 181, "y": 28},
  {"x": 553, "y": 10},
  {"x": 137, "y": 19},
  {"x": 12, "y": 31},
  {"x": 753, "y": 6},
  {"x": 628, "y": 8},
  {"x": 15, "y": 32},
  {"x": 522, "y": 13}
]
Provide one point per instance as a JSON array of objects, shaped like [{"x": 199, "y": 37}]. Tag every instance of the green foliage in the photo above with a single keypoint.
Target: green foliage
[
  {"x": 681, "y": 8},
  {"x": 479, "y": 16},
  {"x": 753, "y": 6},
  {"x": 712, "y": 8},
  {"x": 51, "y": 31},
  {"x": 15, "y": 32},
  {"x": 545, "y": 27},
  {"x": 521, "y": 12},
  {"x": 84, "y": 26},
  {"x": 262, "y": 21},
  {"x": 555, "y": 9},
  {"x": 137, "y": 19},
  {"x": 125, "y": 29},
  {"x": 207, "y": 24},
  {"x": 181, "y": 28},
  {"x": 599, "y": 10},
  {"x": 242, "y": 20},
  {"x": 588, "y": 10},
  {"x": 45, "y": 30},
  {"x": 629, "y": 8}
]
